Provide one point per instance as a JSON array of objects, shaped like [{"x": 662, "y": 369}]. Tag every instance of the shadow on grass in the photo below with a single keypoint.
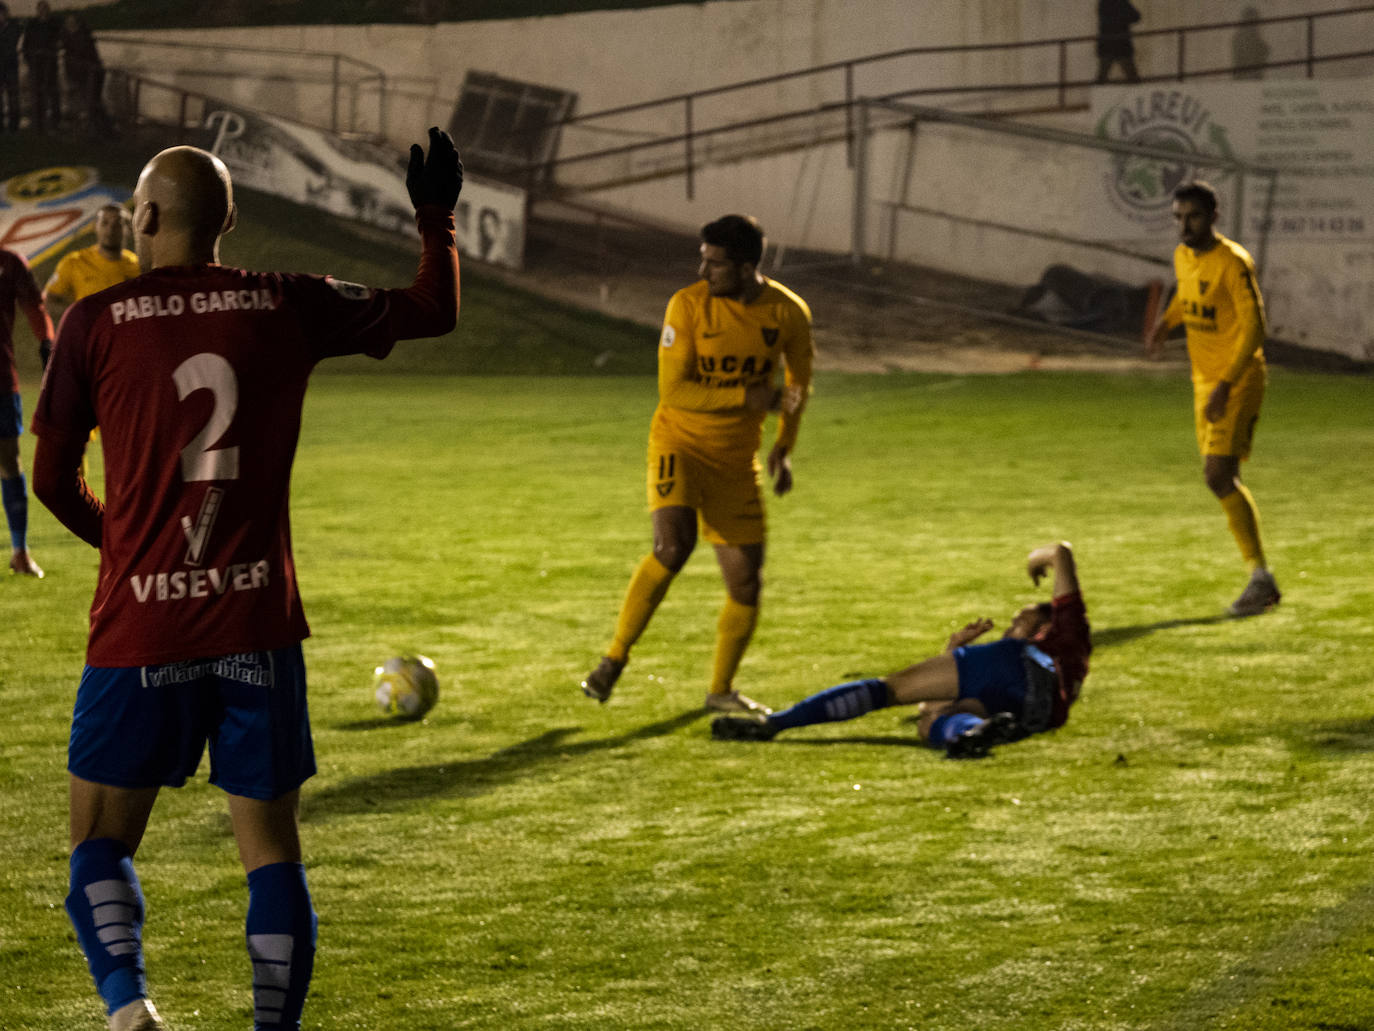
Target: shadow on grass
[
  {"x": 887, "y": 739},
  {"x": 1121, "y": 634},
  {"x": 468, "y": 777},
  {"x": 1320, "y": 739}
]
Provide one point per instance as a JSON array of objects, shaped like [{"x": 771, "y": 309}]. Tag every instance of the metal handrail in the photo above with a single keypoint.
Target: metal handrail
[
  {"x": 1062, "y": 44},
  {"x": 690, "y": 137}
]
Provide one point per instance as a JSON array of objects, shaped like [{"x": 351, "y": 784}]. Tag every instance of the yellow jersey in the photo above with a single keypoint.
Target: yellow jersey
[
  {"x": 87, "y": 271},
  {"x": 1219, "y": 303},
  {"x": 712, "y": 348}
]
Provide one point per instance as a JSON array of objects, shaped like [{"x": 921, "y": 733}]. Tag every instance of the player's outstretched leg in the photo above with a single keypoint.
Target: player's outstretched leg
[
  {"x": 845, "y": 701},
  {"x": 106, "y": 908}
]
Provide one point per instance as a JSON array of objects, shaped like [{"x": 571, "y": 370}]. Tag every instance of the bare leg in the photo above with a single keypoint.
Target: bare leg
[{"x": 266, "y": 832}]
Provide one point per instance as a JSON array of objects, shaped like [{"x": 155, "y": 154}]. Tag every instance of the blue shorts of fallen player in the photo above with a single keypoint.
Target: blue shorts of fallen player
[
  {"x": 1010, "y": 675},
  {"x": 148, "y": 726}
]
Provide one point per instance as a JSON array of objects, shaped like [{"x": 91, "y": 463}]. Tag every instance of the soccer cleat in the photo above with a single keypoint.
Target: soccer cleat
[
  {"x": 601, "y": 681},
  {"x": 733, "y": 701},
  {"x": 998, "y": 729},
  {"x": 139, "y": 1015},
  {"x": 22, "y": 562},
  {"x": 742, "y": 728},
  {"x": 1260, "y": 594}
]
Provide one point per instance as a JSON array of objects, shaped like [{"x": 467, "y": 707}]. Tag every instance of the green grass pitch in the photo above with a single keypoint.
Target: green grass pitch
[{"x": 1190, "y": 852}]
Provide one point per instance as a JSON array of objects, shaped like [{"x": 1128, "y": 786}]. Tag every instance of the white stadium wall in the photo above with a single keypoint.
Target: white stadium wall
[{"x": 805, "y": 197}]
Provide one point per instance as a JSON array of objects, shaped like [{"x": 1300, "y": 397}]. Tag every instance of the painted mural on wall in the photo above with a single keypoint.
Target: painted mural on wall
[
  {"x": 41, "y": 211},
  {"x": 358, "y": 180},
  {"x": 1313, "y": 231}
]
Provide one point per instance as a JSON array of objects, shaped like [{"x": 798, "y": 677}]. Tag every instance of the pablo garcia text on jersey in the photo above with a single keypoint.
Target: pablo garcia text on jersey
[{"x": 148, "y": 306}]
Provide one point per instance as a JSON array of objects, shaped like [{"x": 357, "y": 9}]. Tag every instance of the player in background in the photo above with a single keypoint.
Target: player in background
[
  {"x": 91, "y": 269},
  {"x": 196, "y": 373},
  {"x": 1218, "y": 301},
  {"x": 723, "y": 339},
  {"x": 973, "y": 696},
  {"x": 19, "y": 289}
]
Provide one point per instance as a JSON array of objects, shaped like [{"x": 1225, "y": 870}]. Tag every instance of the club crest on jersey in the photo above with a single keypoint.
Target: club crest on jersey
[
  {"x": 770, "y": 336},
  {"x": 352, "y": 291},
  {"x": 665, "y": 488},
  {"x": 1202, "y": 285}
]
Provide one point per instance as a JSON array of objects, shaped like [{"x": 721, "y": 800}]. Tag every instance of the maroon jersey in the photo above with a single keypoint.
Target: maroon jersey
[
  {"x": 1068, "y": 641},
  {"x": 196, "y": 376},
  {"x": 17, "y": 287}
]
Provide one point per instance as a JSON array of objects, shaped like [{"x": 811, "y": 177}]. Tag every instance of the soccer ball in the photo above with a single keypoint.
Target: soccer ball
[{"x": 406, "y": 686}]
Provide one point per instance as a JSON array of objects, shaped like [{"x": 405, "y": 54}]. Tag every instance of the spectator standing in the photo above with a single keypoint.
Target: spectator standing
[
  {"x": 10, "y": 31},
  {"x": 1249, "y": 51},
  {"x": 1114, "y": 43},
  {"x": 85, "y": 73},
  {"x": 42, "y": 38}
]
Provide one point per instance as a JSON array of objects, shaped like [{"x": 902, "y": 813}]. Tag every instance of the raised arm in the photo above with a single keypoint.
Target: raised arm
[{"x": 1059, "y": 558}]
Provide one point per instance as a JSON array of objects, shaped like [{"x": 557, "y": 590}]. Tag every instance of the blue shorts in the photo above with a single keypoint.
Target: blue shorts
[
  {"x": 146, "y": 726},
  {"x": 11, "y": 416},
  {"x": 1011, "y": 675}
]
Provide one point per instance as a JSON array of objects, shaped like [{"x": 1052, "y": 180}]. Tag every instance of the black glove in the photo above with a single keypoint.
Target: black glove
[
  {"x": 437, "y": 179},
  {"x": 44, "y": 352}
]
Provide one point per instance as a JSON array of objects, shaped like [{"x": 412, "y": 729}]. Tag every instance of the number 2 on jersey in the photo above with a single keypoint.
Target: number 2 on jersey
[{"x": 200, "y": 461}]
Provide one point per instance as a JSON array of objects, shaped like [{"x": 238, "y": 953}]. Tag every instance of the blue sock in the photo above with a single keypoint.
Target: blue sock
[
  {"x": 949, "y": 726},
  {"x": 841, "y": 702},
  {"x": 281, "y": 943},
  {"x": 15, "y": 495},
  {"x": 106, "y": 908}
]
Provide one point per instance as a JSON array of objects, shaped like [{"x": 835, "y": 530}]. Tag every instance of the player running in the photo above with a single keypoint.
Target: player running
[
  {"x": 196, "y": 373},
  {"x": 19, "y": 289},
  {"x": 1218, "y": 300},
  {"x": 973, "y": 696},
  {"x": 723, "y": 340}
]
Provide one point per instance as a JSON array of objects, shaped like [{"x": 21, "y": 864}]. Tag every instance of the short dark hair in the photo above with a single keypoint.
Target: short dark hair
[
  {"x": 1199, "y": 191},
  {"x": 740, "y": 235}
]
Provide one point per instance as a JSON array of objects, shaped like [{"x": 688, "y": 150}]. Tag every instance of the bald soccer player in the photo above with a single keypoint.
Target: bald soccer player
[{"x": 196, "y": 374}]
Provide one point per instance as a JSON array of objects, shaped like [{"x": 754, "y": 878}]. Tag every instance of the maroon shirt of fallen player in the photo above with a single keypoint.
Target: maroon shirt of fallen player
[{"x": 195, "y": 549}]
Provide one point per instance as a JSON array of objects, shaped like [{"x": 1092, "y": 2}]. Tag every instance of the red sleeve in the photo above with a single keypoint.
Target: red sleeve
[
  {"x": 62, "y": 422},
  {"x": 39, "y": 319},
  {"x": 344, "y": 318},
  {"x": 58, "y": 483},
  {"x": 429, "y": 306}
]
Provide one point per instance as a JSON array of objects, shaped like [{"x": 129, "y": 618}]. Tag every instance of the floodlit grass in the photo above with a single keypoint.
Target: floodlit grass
[{"x": 1189, "y": 852}]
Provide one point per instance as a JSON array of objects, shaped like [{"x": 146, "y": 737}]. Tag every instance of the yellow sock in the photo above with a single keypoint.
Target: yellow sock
[
  {"x": 1243, "y": 517},
  {"x": 647, "y": 587},
  {"x": 733, "y": 631}
]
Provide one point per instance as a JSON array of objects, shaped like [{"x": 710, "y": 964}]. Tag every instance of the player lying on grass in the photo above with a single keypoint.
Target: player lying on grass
[{"x": 972, "y": 696}]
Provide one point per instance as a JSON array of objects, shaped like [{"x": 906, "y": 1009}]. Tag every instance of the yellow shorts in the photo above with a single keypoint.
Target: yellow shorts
[
  {"x": 726, "y": 492},
  {"x": 1233, "y": 434}
]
